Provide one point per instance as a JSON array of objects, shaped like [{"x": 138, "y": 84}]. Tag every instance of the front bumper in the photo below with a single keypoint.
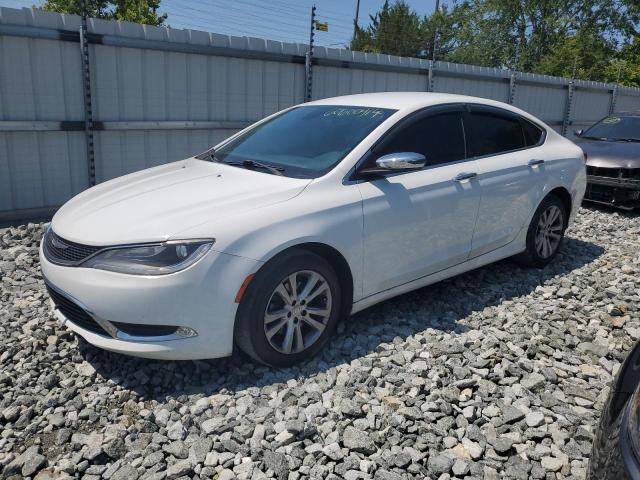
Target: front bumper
[
  {"x": 199, "y": 298},
  {"x": 618, "y": 191}
]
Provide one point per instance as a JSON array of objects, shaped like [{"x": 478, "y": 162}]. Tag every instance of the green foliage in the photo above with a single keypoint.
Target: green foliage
[
  {"x": 394, "y": 30},
  {"x": 588, "y": 39},
  {"x": 139, "y": 11}
]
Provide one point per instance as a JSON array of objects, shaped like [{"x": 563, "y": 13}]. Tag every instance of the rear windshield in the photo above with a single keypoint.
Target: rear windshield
[
  {"x": 621, "y": 128},
  {"x": 305, "y": 141}
]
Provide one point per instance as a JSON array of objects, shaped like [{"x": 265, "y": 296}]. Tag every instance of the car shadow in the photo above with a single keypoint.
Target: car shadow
[{"x": 443, "y": 306}]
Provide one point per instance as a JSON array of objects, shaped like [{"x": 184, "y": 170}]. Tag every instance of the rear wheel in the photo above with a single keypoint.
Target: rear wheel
[
  {"x": 545, "y": 233},
  {"x": 289, "y": 310}
]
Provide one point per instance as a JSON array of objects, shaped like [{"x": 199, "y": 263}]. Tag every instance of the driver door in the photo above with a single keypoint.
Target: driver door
[{"x": 419, "y": 222}]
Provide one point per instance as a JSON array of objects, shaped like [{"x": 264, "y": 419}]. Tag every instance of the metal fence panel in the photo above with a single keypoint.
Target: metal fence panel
[
  {"x": 161, "y": 94},
  {"x": 626, "y": 102},
  {"x": 590, "y": 106},
  {"x": 543, "y": 102}
]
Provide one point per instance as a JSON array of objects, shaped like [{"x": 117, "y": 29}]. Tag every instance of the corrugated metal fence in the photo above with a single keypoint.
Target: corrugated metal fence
[{"x": 161, "y": 94}]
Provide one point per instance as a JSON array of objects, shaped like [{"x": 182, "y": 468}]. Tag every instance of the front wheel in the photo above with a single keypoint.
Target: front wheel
[
  {"x": 545, "y": 233},
  {"x": 289, "y": 310}
]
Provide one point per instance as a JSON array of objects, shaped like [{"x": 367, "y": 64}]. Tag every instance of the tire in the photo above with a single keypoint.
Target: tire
[
  {"x": 260, "y": 312},
  {"x": 538, "y": 252}
]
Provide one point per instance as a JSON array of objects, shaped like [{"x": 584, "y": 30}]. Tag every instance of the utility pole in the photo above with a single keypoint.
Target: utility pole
[
  {"x": 435, "y": 34},
  {"x": 309, "y": 56},
  {"x": 355, "y": 20}
]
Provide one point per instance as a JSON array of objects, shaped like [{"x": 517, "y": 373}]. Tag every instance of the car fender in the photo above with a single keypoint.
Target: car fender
[{"x": 322, "y": 213}]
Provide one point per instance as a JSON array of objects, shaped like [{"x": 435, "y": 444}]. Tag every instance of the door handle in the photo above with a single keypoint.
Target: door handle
[
  {"x": 461, "y": 177},
  {"x": 535, "y": 162}
]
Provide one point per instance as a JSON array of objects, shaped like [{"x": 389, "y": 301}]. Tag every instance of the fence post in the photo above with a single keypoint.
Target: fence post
[
  {"x": 430, "y": 79},
  {"x": 86, "y": 87},
  {"x": 308, "y": 60},
  {"x": 567, "y": 109},
  {"x": 512, "y": 88},
  {"x": 614, "y": 98}
]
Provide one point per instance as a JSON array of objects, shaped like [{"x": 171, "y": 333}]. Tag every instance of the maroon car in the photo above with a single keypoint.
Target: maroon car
[{"x": 612, "y": 148}]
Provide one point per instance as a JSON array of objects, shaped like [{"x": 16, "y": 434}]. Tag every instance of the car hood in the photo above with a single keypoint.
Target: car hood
[
  {"x": 159, "y": 203},
  {"x": 601, "y": 153}
]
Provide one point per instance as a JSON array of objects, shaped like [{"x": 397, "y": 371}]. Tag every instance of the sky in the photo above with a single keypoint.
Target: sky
[{"x": 285, "y": 20}]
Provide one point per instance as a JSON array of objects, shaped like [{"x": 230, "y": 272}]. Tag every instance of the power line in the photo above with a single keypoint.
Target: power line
[
  {"x": 335, "y": 21},
  {"x": 243, "y": 26},
  {"x": 239, "y": 21},
  {"x": 242, "y": 12},
  {"x": 260, "y": 17},
  {"x": 284, "y": 7}
]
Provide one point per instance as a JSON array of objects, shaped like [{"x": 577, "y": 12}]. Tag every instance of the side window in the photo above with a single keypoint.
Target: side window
[
  {"x": 492, "y": 133},
  {"x": 439, "y": 137},
  {"x": 532, "y": 133}
]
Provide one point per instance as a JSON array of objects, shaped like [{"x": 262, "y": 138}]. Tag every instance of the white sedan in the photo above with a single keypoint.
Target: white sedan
[{"x": 267, "y": 240}]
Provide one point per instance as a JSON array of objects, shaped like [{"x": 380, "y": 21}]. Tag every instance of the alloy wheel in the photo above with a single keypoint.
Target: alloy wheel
[
  {"x": 549, "y": 231},
  {"x": 297, "y": 312}
]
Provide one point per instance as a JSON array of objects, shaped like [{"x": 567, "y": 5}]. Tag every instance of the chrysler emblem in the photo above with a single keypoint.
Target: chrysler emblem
[{"x": 59, "y": 243}]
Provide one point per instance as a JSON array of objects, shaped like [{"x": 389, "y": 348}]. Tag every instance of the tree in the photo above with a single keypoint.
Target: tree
[
  {"x": 625, "y": 69},
  {"x": 139, "y": 11},
  {"x": 583, "y": 55},
  {"x": 395, "y": 30},
  {"x": 589, "y": 39}
]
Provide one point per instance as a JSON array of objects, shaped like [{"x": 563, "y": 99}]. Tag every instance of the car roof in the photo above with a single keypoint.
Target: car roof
[{"x": 410, "y": 101}]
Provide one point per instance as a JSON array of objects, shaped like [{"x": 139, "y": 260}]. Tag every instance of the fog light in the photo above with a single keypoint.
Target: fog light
[{"x": 186, "y": 332}]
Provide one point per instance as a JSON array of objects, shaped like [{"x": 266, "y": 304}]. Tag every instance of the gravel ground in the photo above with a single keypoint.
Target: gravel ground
[{"x": 498, "y": 373}]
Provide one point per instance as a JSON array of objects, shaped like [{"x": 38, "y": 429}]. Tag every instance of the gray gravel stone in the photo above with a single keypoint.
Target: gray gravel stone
[
  {"x": 440, "y": 463},
  {"x": 32, "y": 462},
  {"x": 460, "y": 468},
  {"x": 358, "y": 441},
  {"x": 551, "y": 464},
  {"x": 515, "y": 364},
  {"x": 534, "y": 419}
]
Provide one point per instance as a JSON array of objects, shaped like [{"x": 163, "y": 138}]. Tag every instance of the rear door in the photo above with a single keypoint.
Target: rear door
[{"x": 511, "y": 173}]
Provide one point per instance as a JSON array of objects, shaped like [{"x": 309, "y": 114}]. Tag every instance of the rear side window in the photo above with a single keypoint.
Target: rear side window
[
  {"x": 492, "y": 134},
  {"x": 439, "y": 137},
  {"x": 532, "y": 133}
]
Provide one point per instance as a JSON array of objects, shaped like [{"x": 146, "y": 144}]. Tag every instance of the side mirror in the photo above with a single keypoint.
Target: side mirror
[
  {"x": 401, "y": 161},
  {"x": 396, "y": 162},
  {"x": 578, "y": 133}
]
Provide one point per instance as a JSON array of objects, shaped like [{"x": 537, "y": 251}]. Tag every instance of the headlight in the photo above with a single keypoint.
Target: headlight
[{"x": 152, "y": 259}]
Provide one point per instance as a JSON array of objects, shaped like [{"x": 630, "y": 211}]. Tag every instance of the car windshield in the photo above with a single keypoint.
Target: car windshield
[
  {"x": 624, "y": 128},
  {"x": 305, "y": 141}
]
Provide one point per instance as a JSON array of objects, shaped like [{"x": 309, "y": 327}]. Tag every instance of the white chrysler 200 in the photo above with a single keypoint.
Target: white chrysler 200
[{"x": 311, "y": 214}]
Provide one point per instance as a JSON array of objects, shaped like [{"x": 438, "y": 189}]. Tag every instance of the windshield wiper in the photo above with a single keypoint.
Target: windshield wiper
[
  {"x": 254, "y": 164},
  {"x": 595, "y": 138},
  {"x": 625, "y": 139}
]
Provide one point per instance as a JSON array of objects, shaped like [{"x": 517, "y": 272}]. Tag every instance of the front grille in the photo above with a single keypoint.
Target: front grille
[
  {"x": 600, "y": 193},
  {"x": 604, "y": 172},
  {"x": 74, "y": 312},
  {"x": 140, "y": 330},
  {"x": 63, "y": 252},
  {"x": 632, "y": 173}
]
